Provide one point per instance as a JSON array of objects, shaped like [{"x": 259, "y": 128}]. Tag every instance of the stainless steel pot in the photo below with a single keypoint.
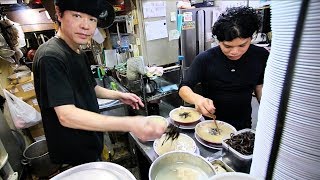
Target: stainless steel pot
[
  {"x": 96, "y": 171},
  {"x": 177, "y": 165},
  {"x": 36, "y": 158}
]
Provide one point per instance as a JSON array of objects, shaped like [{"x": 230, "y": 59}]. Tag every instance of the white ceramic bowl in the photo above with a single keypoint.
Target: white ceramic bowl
[
  {"x": 193, "y": 115},
  {"x": 158, "y": 119},
  {"x": 204, "y": 131},
  {"x": 183, "y": 143}
]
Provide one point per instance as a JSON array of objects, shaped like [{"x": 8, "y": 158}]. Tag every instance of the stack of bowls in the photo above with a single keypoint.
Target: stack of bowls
[{"x": 299, "y": 149}]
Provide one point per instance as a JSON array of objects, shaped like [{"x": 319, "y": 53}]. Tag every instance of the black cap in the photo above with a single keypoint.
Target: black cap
[{"x": 100, "y": 9}]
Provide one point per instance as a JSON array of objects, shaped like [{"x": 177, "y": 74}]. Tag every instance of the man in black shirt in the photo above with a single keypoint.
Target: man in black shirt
[
  {"x": 230, "y": 72},
  {"x": 67, "y": 91}
]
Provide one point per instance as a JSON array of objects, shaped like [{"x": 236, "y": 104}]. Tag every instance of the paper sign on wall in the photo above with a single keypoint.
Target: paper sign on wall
[
  {"x": 154, "y": 9},
  {"x": 187, "y": 16},
  {"x": 156, "y": 30}
]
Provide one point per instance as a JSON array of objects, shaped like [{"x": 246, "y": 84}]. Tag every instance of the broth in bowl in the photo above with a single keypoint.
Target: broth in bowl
[
  {"x": 182, "y": 143},
  {"x": 185, "y": 115},
  {"x": 208, "y": 132},
  {"x": 179, "y": 165},
  {"x": 158, "y": 119}
]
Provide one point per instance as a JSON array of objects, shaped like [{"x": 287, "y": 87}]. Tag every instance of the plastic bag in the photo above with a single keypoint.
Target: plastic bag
[{"x": 23, "y": 115}]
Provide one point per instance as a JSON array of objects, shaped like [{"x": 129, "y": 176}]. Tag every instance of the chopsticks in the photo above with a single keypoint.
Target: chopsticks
[{"x": 215, "y": 122}]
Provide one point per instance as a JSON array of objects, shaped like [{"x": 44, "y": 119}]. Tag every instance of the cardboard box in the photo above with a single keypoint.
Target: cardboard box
[
  {"x": 20, "y": 77},
  {"x": 23, "y": 90},
  {"x": 34, "y": 103},
  {"x": 36, "y": 131}
]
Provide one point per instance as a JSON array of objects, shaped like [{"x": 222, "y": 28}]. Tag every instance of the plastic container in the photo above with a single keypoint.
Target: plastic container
[
  {"x": 240, "y": 161},
  {"x": 222, "y": 164}
]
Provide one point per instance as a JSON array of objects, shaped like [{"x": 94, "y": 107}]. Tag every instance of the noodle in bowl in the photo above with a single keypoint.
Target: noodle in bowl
[
  {"x": 185, "y": 115},
  {"x": 206, "y": 130},
  {"x": 182, "y": 143}
]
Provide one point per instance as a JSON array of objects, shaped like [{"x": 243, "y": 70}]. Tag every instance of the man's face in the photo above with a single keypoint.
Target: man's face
[
  {"x": 236, "y": 48},
  {"x": 77, "y": 28}
]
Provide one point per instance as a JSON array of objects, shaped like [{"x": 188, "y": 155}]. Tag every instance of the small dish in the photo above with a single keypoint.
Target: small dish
[{"x": 221, "y": 167}]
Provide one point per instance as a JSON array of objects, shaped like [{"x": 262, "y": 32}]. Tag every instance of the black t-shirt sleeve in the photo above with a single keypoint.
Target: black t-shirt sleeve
[
  {"x": 194, "y": 74},
  {"x": 55, "y": 85},
  {"x": 264, "y": 57}
]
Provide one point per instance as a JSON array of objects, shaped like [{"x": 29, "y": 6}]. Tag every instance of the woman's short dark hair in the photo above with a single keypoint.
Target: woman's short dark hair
[{"x": 236, "y": 22}]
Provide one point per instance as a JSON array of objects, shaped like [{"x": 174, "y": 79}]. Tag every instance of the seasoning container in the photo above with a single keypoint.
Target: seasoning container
[
  {"x": 239, "y": 161},
  {"x": 221, "y": 167}
]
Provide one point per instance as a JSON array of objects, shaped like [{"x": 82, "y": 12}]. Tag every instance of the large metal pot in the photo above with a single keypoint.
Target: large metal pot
[
  {"x": 180, "y": 165},
  {"x": 96, "y": 171},
  {"x": 36, "y": 158}
]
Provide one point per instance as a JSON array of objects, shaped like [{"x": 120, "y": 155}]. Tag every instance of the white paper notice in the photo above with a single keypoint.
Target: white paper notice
[
  {"x": 174, "y": 34},
  {"x": 154, "y": 9},
  {"x": 156, "y": 30}
]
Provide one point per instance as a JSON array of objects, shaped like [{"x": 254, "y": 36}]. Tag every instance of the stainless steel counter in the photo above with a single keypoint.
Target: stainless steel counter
[
  {"x": 146, "y": 148},
  {"x": 106, "y": 82}
]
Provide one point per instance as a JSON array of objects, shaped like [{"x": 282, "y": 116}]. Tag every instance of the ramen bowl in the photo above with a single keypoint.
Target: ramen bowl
[
  {"x": 180, "y": 165},
  {"x": 159, "y": 120},
  {"x": 207, "y": 131},
  {"x": 185, "y": 115},
  {"x": 182, "y": 143}
]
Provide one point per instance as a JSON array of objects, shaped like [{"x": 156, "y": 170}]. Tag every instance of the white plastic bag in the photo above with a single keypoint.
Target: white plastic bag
[{"x": 23, "y": 115}]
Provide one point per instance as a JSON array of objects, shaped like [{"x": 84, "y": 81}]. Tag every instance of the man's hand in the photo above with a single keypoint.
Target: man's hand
[
  {"x": 204, "y": 106},
  {"x": 145, "y": 129},
  {"x": 132, "y": 100}
]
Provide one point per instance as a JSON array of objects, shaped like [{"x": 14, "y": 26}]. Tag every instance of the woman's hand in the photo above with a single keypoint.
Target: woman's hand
[
  {"x": 205, "y": 106},
  {"x": 145, "y": 129},
  {"x": 132, "y": 100}
]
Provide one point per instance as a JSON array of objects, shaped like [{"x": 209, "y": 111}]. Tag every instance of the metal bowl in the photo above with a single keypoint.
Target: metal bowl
[
  {"x": 96, "y": 171},
  {"x": 176, "y": 164}
]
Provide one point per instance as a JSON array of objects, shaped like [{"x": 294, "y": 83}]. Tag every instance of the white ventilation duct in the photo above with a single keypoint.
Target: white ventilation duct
[{"x": 288, "y": 125}]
